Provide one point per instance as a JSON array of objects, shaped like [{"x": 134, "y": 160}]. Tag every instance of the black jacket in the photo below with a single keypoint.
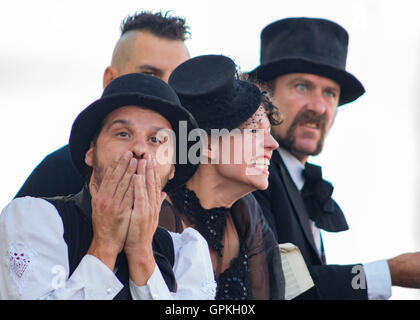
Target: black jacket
[
  {"x": 54, "y": 176},
  {"x": 287, "y": 215}
]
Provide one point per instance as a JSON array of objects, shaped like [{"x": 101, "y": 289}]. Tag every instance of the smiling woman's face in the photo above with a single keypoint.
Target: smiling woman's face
[{"x": 250, "y": 149}]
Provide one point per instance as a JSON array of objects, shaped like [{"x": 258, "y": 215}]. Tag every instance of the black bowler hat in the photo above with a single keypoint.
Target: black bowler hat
[
  {"x": 209, "y": 88},
  {"x": 133, "y": 89},
  {"x": 307, "y": 45}
]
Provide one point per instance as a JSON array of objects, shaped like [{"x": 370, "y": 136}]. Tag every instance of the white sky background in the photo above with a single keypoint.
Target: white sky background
[{"x": 53, "y": 54}]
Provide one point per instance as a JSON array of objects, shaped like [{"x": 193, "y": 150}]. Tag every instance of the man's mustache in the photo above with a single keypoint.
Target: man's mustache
[{"x": 309, "y": 116}]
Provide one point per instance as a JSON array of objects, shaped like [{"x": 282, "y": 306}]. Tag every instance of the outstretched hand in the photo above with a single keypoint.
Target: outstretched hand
[{"x": 405, "y": 270}]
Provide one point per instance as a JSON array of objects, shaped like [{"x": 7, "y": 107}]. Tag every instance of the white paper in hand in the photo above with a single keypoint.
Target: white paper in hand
[{"x": 296, "y": 274}]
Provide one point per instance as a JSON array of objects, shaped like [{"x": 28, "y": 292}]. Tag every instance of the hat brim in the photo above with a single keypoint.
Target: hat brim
[
  {"x": 350, "y": 87},
  {"x": 89, "y": 121}
]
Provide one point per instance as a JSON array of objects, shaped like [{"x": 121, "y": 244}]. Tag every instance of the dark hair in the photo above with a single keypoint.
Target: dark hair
[
  {"x": 173, "y": 28},
  {"x": 271, "y": 110}
]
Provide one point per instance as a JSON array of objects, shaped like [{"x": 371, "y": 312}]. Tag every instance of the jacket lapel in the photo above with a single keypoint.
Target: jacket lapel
[{"x": 296, "y": 200}]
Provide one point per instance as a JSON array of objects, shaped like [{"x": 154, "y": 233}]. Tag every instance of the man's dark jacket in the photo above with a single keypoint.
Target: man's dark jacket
[
  {"x": 288, "y": 216},
  {"x": 54, "y": 176}
]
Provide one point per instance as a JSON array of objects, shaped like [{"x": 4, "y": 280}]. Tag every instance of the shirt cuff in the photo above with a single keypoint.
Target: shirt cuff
[
  {"x": 378, "y": 279},
  {"x": 154, "y": 289},
  {"x": 99, "y": 282}
]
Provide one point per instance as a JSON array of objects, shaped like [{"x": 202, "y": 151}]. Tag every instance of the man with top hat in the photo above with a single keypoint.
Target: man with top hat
[
  {"x": 104, "y": 242},
  {"x": 302, "y": 66}
]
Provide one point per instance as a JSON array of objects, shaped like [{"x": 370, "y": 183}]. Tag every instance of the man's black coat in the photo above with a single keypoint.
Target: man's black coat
[
  {"x": 54, "y": 176},
  {"x": 287, "y": 215}
]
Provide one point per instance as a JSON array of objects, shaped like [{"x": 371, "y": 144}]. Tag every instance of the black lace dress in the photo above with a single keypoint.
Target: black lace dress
[{"x": 256, "y": 272}]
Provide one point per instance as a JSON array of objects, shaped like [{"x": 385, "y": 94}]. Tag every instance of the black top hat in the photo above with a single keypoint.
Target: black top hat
[
  {"x": 307, "y": 45},
  {"x": 133, "y": 89},
  {"x": 208, "y": 87}
]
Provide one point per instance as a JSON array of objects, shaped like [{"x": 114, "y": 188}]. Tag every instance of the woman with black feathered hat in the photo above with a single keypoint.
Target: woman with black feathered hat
[{"x": 216, "y": 200}]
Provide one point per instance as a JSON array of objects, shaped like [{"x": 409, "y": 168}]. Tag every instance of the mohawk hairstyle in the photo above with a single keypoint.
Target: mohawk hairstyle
[{"x": 165, "y": 26}]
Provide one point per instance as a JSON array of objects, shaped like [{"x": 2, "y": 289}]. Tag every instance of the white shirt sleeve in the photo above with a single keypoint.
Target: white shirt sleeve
[
  {"x": 34, "y": 259},
  {"x": 378, "y": 280},
  {"x": 192, "y": 268}
]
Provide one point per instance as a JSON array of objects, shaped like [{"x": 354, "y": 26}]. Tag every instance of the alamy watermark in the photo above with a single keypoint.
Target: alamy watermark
[
  {"x": 359, "y": 280},
  {"x": 221, "y": 146}
]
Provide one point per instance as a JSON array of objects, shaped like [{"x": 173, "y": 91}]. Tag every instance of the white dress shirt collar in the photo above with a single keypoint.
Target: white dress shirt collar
[{"x": 294, "y": 166}]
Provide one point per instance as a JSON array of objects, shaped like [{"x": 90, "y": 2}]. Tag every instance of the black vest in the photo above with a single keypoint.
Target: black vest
[{"x": 76, "y": 214}]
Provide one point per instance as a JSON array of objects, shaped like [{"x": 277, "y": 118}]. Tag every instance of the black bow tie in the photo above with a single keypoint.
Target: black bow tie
[{"x": 322, "y": 209}]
